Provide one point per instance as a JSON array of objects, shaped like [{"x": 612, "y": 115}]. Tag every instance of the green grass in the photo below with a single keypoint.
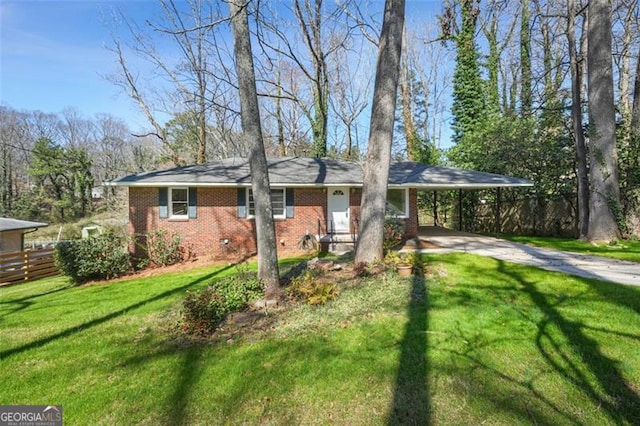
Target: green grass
[
  {"x": 628, "y": 250},
  {"x": 477, "y": 341}
]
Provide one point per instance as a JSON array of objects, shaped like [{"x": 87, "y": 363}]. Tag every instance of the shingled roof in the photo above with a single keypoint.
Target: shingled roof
[
  {"x": 7, "y": 224},
  {"x": 300, "y": 171}
]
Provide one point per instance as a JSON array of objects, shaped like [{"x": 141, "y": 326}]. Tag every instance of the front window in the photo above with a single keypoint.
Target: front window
[
  {"x": 397, "y": 203},
  {"x": 277, "y": 203},
  {"x": 179, "y": 202}
]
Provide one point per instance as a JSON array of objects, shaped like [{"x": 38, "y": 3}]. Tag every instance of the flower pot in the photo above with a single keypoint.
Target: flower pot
[{"x": 405, "y": 270}]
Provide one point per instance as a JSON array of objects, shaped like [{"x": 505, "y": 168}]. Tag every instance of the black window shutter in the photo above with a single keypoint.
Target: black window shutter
[
  {"x": 242, "y": 202},
  {"x": 289, "y": 201},
  {"x": 193, "y": 203},
  {"x": 163, "y": 202}
]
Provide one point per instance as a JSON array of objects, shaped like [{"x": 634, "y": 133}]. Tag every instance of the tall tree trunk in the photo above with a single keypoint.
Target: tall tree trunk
[
  {"x": 635, "y": 123},
  {"x": 576, "y": 118},
  {"x": 493, "y": 65},
  {"x": 252, "y": 130},
  {"x": 526, "y": 96},
  {"x": 633, "y": 208},
  {"x": 410, "y": 136},
  {"x": 202, "y": 130},
  {"x": 310, "y": 20},
  {"x": 604, "y": 200},
  {"x": 282, "y": 147},
  {"x": 376, "y": 169}
]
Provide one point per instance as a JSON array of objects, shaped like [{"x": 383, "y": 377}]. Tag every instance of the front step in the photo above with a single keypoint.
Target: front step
[{"x": 337, "y": 243}]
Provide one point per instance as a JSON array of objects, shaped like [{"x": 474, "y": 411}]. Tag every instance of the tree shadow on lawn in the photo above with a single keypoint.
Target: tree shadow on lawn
[
  {"x": 620, "y": 401},
  {"x": 478, "y": 376},
  {"x": 620, "y": 294},
  {"x": 97, "y": 321},
  {"x": 260, "y": 375},
  {"x": 16, "y": 305},
  {"x": 187, "y": 377},
  {"x": 411, "y": 403}
]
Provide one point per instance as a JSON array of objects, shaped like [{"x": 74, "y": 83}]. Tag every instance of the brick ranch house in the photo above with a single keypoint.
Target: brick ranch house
[{"x": 210, "y": 206}]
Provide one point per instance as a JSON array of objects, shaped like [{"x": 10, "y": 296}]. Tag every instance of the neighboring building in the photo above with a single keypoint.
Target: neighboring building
[
  {"x": 12, "y": 233},
  {"x": 211, "y": 205},
  {"x": 97, "y": 193}
]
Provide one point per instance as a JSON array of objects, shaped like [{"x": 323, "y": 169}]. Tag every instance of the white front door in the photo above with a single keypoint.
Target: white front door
[{"x": 338, "y": 207}]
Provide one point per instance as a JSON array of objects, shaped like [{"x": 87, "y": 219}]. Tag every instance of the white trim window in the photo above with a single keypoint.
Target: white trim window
[
  {"x": 179, "y": 203},
  {"x": 278, "y": 203},
  {"x": 398, "y": 202}
]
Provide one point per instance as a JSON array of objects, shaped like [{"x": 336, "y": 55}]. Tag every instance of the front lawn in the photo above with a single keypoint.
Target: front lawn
[
  {"x": 628, "y": 250},
  {"x": 477, "y": 341}
]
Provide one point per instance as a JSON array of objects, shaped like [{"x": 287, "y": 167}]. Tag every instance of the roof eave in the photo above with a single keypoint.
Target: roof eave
[
  {"x": 228, "y": 184},
  {"x": 444, "y": 187}
]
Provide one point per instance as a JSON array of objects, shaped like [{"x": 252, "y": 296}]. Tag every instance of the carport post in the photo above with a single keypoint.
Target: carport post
[
  {"x": 459, "y": 209},
  {"x": 498, "y": 210},
  {"x": 435, "y": 208}
]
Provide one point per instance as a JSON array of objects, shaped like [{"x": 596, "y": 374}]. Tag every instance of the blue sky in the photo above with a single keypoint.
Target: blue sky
[{"x": 53, "y": 55}]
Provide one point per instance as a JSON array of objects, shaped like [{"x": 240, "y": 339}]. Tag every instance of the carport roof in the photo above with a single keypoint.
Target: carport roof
[
  {"x": 7, "y": 224},
  {"x": 320, "y": 172}
]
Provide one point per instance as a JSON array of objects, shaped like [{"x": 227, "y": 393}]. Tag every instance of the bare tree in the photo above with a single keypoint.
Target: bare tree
[
  {"x": 110, "y": 154},
  {"x": 633, "y": 195},
  {"x": 321, "y": 34},
  {"x": 128, "y": 81},
  {"x": 576, "y": 121},
  {"x": 604, "y": 200},
  {"x": 491, "y": 22},
  {"x": 350, "y": 94},
  {"x": 252, "y": 130},
  {"x": 191, "y": 78},
  {"x": 376, "y": 170},
  {"x": 626, "y": 27},
  {"x": 288, "y": 122},
  {"x": 406, "y": 99}
]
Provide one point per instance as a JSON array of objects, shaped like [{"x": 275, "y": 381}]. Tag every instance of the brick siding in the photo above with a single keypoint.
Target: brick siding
[{"x": 219, "y": 232}]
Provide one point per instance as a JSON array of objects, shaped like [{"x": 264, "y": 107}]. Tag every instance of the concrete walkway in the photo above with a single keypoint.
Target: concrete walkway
[{"x": 596, "y": 267}]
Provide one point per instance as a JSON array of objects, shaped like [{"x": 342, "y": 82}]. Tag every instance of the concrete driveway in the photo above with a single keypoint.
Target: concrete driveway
[{"x": 596, "y": 267}]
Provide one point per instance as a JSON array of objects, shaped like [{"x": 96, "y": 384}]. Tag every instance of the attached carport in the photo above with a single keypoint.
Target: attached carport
[{"x": 438, "y": 178}]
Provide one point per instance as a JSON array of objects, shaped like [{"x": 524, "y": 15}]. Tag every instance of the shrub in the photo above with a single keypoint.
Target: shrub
[
  {"x": 204, "y": 310},
  {"x": 163, "y": 248},
  {"x": 393, "y": 259},
  {"x": 309, "y": 289},
  {"x": 100, "y": 257},
  {"x": 238, "y": 290},
  {"x": 394, "y": 229}
]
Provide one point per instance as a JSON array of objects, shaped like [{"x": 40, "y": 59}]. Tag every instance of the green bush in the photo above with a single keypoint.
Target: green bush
[
  {"x": 239, "y": 290},
  {"x": 96, "y": 258},
  {"x": 163, "y": 248},
  {"x": 393, "y": 259},
  {"x": 204, "y": 310},
  {"x": 309, "y": 289}
]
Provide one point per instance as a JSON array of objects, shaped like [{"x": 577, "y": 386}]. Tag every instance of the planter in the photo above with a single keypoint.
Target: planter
[{"x": 405, "y": 270}]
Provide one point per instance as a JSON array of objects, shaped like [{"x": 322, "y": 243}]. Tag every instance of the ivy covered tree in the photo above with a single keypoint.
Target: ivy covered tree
[
  {"x": 63, "y": 180},
  {"x": 468, "y": 95}
]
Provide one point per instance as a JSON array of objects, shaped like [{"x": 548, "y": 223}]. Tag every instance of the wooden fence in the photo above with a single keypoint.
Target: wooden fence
[{"x": 27, "y": 265}]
